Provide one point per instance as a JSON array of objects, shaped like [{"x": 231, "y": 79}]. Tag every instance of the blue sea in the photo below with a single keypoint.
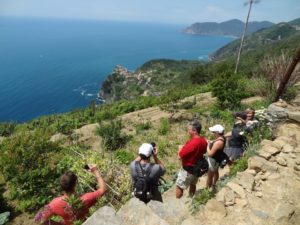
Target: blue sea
[{"x": 51, "y": 66}]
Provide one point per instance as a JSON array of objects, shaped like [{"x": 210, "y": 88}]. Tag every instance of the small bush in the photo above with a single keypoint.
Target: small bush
[
  {"x": 6, "y": 129},
  {"x": 124, "y": 157},
  {"x": 112, "y": 138},
  {"x": 229, "y": 89},
  {"x": 164, "y": 126},
  {"x": 187, "y": 105},
  {"x": 143, "y": 126}
]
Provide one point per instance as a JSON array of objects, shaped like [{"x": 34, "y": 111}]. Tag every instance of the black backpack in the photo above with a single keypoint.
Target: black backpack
[
  {"x": 200, "y": 168},
  {"x": 142, "y": 183},
  {"x": 221, "y": 157}
]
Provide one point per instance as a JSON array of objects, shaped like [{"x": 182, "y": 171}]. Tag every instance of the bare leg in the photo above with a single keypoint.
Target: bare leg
[
  {"x": 192, "y": 189},
  {"x": 209, "y": 179},
  {"x": 215, "y": 177},
  {"x": 179, "y": 192}
]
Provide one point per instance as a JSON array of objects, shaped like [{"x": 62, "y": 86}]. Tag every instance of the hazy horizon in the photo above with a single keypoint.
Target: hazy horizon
[{"x": 156, "y": 11}]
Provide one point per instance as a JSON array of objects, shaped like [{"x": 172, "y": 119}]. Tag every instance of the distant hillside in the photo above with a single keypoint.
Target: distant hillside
[
  {"x": 231, "y": 27},
  {"x": 282, "y": 36},
  {"x": 153, "y": 78}
]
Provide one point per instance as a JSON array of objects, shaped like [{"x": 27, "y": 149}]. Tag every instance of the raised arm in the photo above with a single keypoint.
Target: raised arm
[{"x": 100, "y": 181}]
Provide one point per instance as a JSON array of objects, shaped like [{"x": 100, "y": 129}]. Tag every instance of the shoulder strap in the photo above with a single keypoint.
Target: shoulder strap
[
  {"x": 221, "y": 139},
  {"x": 141, "y": 171}
]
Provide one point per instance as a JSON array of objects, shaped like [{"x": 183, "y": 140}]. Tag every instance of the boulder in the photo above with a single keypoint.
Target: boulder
[
  {"x": 172, "y": 210},
  {"x": 237, "y": 189},
  {"x": 267, "y": 151},
  {"x": 287, "y": 148},
  {"x": 283, "y": 213},
  {"x": 260, "y": 164},
  {"x": 294, "y": 116},
  {"x": 229, "y": 197},
  {"x": 136, "y": 212},
  {"x": 214, "y": 209},
  {"x": 58, "y": 137},
  {"x": 281, "y": 161},
  {"x": 246, "y": 180},
  {"x": 277, "y": 112},
  {"x": 104, "y": 216}
]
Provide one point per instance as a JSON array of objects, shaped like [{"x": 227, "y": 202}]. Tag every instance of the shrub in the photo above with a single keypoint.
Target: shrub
[
  {"x": 112, "y": 138},
  {"x": 27, "y": 162},
  {"x": 273, "y": 69},
  {"x": 6, "y": 129},
  {"x": 198, "y": 75},
  {"x": 229, "y": 89},
  {"x": 124, "y": 157},
  {"x": 164, "y": 126},
  {"x": 187, "y": 105},
  {"x": 142, "y": 126}
]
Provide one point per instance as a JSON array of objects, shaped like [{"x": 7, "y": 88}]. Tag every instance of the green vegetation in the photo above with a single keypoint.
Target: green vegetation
[
  {"x": 142, "y": 126},
  {"x": 200, "y": 199},
  {"x": 112, "y": 138},
  {"x": 164, "y": 126},
  {"x": 229, "y": 88},
  {"x": 26, "y": 160}
]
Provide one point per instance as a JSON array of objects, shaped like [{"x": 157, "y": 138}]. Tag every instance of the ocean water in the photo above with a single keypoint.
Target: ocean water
[{"x": 53, "y": 66}]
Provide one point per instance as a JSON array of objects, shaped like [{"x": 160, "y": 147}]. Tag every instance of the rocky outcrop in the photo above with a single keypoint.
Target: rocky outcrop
[
  {"x": 281, "y": 111},
  {"x": 268, "y": 192}
]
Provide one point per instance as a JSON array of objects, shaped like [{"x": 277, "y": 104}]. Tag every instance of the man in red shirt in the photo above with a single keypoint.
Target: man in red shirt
[
  {"x": 59, "y": 206},
  {"x": 189, "y": 154}
]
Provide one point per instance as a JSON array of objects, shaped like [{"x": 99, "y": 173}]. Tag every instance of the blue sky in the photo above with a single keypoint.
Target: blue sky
[{"x": 165, "y": 11}]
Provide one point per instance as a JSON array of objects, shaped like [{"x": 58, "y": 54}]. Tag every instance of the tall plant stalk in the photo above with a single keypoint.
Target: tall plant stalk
[{"x": 250, "y": 2}]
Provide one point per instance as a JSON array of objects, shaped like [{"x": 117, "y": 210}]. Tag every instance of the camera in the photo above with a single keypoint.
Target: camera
[
  {"x": 86, "y": 167},
  {"x": 154, "y": 146}
]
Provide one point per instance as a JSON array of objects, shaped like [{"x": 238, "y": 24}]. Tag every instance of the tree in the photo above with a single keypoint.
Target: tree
[{"x": 250, "y": 2}]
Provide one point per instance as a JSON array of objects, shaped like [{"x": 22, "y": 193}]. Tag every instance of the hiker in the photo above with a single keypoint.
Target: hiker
[
  {"x": 214, "y": 154},
  {"x": 59, "y": 206},
  {"x": 189, "y": 154},
  {"x": 145, "y": 175},
  {"x": 251, "y": 121},
  {"x": 237, "y": 142}
]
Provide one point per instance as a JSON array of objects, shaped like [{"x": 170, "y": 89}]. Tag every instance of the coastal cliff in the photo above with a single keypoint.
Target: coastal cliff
[
  {"x": 153, "y": 78},
  {"x": 231, "y": 27}
]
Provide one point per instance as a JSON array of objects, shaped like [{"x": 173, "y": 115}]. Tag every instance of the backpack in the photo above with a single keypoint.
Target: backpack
[
  {"x": 221, "y": 157},
  {"x": 200, "y": 168},
  {"x": 142, "y": 183}
]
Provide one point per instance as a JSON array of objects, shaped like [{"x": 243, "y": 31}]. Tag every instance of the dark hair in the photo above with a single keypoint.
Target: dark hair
[
  {"x": 242, "y": 115},
  {"x": 143, "y": 157},
  {"x": 68, "y": 181},
  {"x": 196, "y": 126}
]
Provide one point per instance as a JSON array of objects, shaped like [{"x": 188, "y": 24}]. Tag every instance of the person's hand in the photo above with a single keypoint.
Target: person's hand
[
  {"x": 155, "y": 151},
  {"x": 93, "y": 168},
  {"x": 180, "y": 147}
]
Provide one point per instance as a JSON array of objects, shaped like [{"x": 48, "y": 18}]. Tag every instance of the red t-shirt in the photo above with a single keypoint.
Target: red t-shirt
[
  {"x": 60, "y": 207},
  {"x": 193, "y": 150}
]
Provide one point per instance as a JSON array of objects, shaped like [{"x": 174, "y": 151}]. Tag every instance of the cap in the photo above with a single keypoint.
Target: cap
[
  {"x": 146, "y": 149},
  {"x": 217, "y": 128}
]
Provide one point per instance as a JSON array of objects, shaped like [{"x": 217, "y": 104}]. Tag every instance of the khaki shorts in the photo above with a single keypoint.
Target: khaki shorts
[
  {"x": 213, "y": 165},
  {"x": 185, "y": 179}
]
